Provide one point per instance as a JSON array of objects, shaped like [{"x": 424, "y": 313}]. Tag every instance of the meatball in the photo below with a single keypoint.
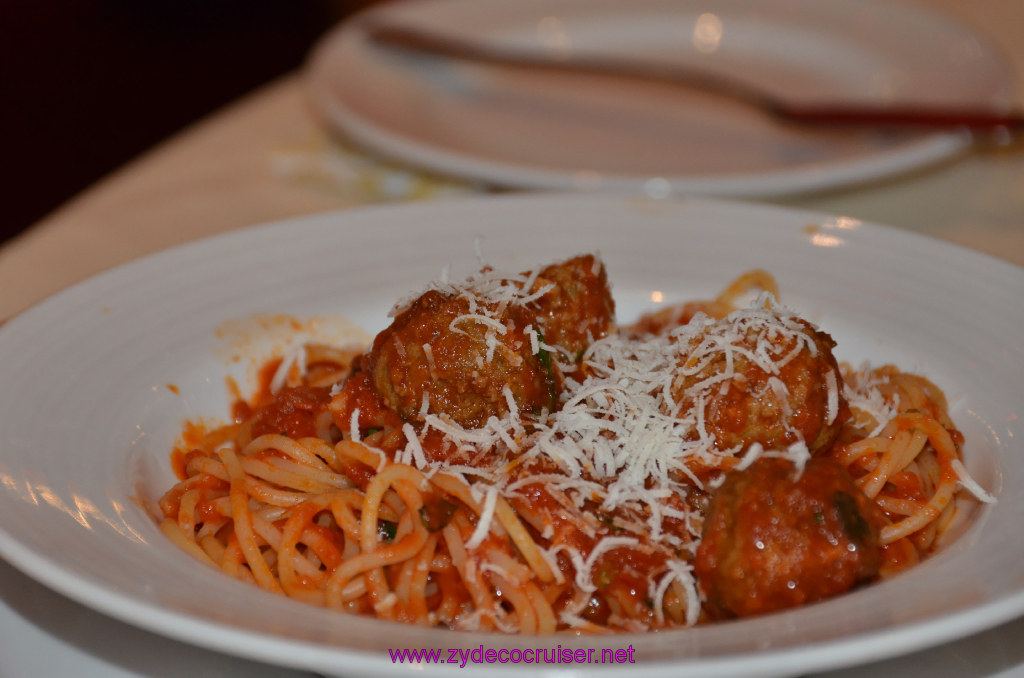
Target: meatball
[
  {"x": 461, "y": 351},
  {"x": 776, "y": 538},
  {"x": 578, "y": 309},
  {"x": 761, "y": 376},
  {"x": 453, "y": 355}
]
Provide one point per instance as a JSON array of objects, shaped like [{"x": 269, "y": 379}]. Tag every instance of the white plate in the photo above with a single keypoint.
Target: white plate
[
  {"x": 529, "y": 130},
  {"x": 87, "y": 416}
]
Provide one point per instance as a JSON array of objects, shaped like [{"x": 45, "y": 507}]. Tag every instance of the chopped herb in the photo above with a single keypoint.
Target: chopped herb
[
  {"x": 609, "y": 522},
  {"x": 544, "y": 356},
  {"x": 387, "y": 530},
  {"x": 604, "y": 576}
]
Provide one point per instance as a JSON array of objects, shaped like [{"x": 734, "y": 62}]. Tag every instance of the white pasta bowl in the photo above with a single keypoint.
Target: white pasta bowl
[{"x": 97, "y": 381}]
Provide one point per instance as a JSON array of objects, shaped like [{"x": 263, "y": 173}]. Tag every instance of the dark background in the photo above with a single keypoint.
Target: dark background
[{"x": 87, "y": 85}]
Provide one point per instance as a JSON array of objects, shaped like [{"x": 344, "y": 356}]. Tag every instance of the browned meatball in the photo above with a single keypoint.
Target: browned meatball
[
  {"x": 762, "y": 376},
  {"x": 772, "y": 540},
  {"x": 579, "y": 308},
  {"x": 459, "y": 360}
]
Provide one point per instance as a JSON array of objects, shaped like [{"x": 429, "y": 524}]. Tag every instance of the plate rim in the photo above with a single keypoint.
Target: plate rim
[{"x": 809, "y": 178}]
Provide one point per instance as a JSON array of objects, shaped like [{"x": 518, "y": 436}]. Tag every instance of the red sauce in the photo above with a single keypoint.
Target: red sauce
[
  {"x": 292, "y": 412},
  {"x": 358, "y": 473},
  {"x": 331, "y": 557},
  {"x": 207, "y": 512},
  {"x": 192, "y": 435},
  {"x": 211, "y": 486},
  {"x": 359, "y": 394},
  {"x": 622, "y": 574},
  {"x": 907, "y": 485}
]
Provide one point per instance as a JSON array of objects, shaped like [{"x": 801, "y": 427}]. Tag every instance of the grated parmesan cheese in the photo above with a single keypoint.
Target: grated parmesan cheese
[
  {"x": 970, "y": 484},
  {"x": 630, "y": 436},
  {"x": 294, "y": 358},
  {"x": 483, "y": 526}
]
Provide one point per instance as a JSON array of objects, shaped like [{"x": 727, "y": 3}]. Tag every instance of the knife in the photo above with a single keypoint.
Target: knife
[{"x": 391, "y": 35}]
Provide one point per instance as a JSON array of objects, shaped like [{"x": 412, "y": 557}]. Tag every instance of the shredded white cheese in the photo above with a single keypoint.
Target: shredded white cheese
[
  {"x": 632, "y": 434},
  {"x": 293, "y": 358},
  {"x": 483, "y": 525},
  {"x": 970, "y": 484}
]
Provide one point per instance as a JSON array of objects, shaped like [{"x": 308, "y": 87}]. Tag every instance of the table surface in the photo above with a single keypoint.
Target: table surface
[{"x": 265, "y": 158}]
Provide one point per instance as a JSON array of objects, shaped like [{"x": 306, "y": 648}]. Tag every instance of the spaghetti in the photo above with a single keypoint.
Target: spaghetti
[{"x": 505, "y": 457}]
